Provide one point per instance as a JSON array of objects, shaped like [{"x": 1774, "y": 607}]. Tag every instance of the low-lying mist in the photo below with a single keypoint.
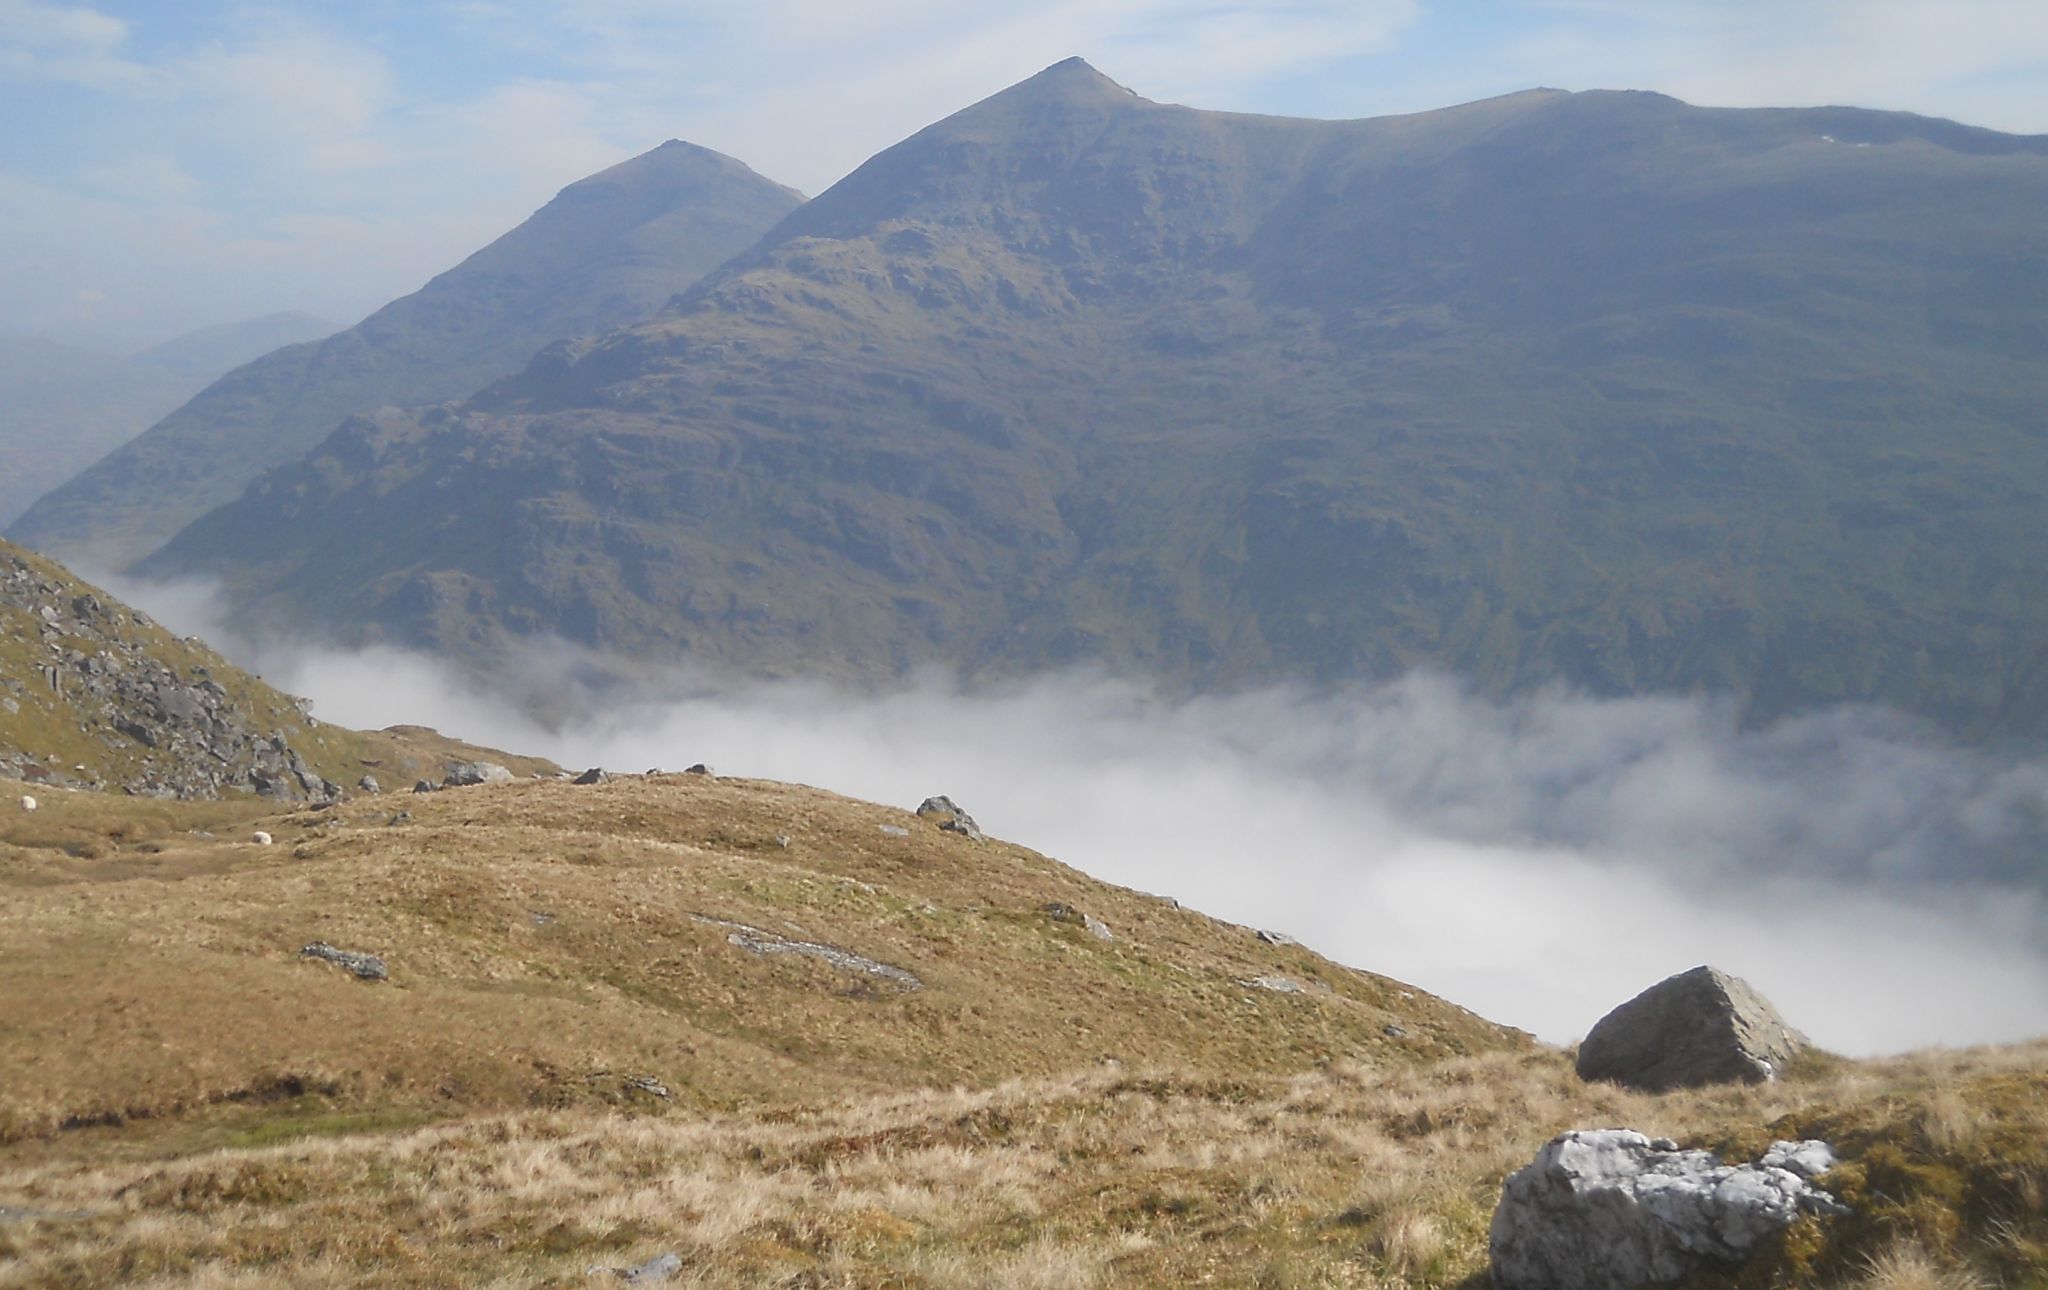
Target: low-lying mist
[{"x": 1538, "y": 861}]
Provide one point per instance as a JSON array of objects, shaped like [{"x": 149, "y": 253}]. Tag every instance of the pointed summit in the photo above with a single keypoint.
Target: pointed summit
[
  {"x": 1072, "y": 76},
  {"x": 1071, "y": 84}
]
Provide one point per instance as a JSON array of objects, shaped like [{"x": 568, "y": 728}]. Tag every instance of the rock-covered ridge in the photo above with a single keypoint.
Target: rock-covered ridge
[{"x": 83, "y": 662}]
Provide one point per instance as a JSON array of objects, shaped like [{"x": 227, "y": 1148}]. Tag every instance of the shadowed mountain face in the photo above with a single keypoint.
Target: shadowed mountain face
[
  {"x": 607, "y": 251},
  {"x": 1599, "y": 388}
]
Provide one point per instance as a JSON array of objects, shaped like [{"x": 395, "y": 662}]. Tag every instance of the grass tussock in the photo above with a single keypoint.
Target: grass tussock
[{"x": 1352, "y": 1174}]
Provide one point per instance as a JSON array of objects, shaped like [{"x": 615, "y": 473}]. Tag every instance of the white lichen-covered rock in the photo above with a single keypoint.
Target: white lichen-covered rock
[
  {"x": 1609, "y": 1209},
  {"x": 28, "y": 803},
  {"x": 1696, "y": 1028}
]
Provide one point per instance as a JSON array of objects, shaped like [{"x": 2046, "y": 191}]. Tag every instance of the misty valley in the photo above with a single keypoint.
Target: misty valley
[{"x": 1497, "y": 656}]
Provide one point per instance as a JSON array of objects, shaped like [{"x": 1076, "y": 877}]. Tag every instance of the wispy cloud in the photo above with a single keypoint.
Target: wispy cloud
[
  {"x": 446, "y": 124},
  {"x": 1538, "y": 861}
]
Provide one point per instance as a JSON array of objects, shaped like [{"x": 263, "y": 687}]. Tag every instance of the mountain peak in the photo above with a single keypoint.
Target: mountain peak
[{"x": 1071, "y": 79}]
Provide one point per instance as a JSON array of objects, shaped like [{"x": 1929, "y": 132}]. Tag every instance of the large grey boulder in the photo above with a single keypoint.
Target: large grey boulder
[
  {"x": 470, "y": 773},
  {"x": 946, "y": 813},
  {"x": 1609, "y": 1209},
  {"x": 1699, "y": 1027}
]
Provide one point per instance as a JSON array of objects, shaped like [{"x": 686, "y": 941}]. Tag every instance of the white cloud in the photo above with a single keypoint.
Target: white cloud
[
  {"x": 1539, "y": 861},
  {"x": 294, "y": 99},
  {"x": 154, "y": 177},
  {"x": 1984, "y": 61},
  {"x": 29, "y": 24},
  {"x": 66, "y": 44}
]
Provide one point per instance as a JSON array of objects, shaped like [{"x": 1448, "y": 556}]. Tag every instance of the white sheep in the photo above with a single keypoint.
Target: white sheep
[
  {"x": 261, "y": 839},
  {"x": 28, "y": 803}
]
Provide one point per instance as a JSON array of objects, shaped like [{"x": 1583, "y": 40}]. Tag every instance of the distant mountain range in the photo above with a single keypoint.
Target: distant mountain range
[
  {"x": 1595, "y": 388},
  {"x": 607, "y": 251},
  {"x": 63, "y": 407}
]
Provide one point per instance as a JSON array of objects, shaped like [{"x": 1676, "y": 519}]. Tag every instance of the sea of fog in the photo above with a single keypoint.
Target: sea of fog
[{"x": 1538, "y": 861}]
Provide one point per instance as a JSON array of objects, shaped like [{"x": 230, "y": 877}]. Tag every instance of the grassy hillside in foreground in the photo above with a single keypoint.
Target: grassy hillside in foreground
[
  {"x": 557, "y": 945},
  {"x": 1350, "y": 1174}
]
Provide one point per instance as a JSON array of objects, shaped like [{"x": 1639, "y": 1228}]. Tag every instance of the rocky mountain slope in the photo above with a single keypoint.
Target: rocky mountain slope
[
  {"x": 95, "y": 695},
  {"x": 63, "y": 407},
  {"x": 607, "y": 251},
  {"x": 1597, "y": 388}
]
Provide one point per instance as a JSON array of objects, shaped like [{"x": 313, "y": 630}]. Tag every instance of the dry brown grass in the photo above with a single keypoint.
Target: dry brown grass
[
  {"x": 547, "y": 945},
  {"x": 190, "y": 1104},
  {"x": 1351, "y": 1174}
]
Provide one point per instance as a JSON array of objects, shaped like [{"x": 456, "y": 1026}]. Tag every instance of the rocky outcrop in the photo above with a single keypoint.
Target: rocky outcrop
[
  {"x": 1609, "y": 1209},
  {"x": 945, "y": 813},
  {"x": 176, "y": 730},
  {"x": 755, "y": 941},
  {"x": 1699, "y": 1027},
  {"x": 367, "y": 967}
]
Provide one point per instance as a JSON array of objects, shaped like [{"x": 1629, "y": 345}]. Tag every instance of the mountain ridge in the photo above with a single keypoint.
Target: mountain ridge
[{"x": 1595, "y": 388}]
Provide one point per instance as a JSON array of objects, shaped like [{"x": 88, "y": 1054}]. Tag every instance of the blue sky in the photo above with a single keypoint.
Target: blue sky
[{"x": 167, "y": 165}]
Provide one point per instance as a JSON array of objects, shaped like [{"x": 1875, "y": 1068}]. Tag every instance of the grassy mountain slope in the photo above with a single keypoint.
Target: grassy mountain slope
[
  {"x": 63, "y": 408},
  {"x": 95, "y": 695},
  {"x": 1597, "y": 387},
  {"x": 606, "y": 251},
  {"x": 1349, "y": 1174},
  {"x": 550, "y": 944}
]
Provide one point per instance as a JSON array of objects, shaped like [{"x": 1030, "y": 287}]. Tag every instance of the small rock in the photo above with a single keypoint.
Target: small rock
[
  {"x": 595, "y": 775},
  {"x": 653, "y": 1272},
  {"x": 944, "y": 812},
  {"x": 1065, "y": 913},
  {"x": 260, "y": 838},
  {"x": 366, "y": 966},
  {"x": 1392, "y": 1031},
  {"x": 369, "y": 784},
  {"x": 647, "y": 1084},
  {"x": 468, "y": 774},
  {"x": 782, "y": 840},
  {"x": 1277, "y": 938},
  {"x": 402, "y": 817},
  {"x": 28, "y": 803},
  {"x": 699, "y": 769},
  {"x": 1277, "y": 984},
  {"x": 1696, "y": 1028},
  {"x": 426, "y": 786},
  {"x": 895, "y": 831}
]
